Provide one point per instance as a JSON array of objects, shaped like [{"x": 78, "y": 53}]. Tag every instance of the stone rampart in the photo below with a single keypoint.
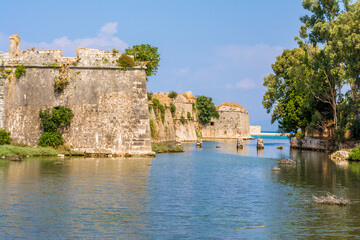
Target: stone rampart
[
  {"x": 233, "y": 121},
  {"x": 109, "y": 104}
]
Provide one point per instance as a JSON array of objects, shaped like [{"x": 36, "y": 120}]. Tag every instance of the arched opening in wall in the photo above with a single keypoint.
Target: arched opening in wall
[{"x": 212, "y": 123}]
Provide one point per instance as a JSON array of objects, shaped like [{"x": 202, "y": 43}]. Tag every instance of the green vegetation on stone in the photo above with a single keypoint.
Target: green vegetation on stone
[
  {"x": 52, "y": 139},
  {"x": 166, "y": 148},
  {"x": 20, "y": 71},
  {"x": 206, "y": 109},
  {"x": 149, "y": 95},
  {"x": 172, "y": 94},
  {"x": 52, "y": 121},
  {"x": 146, "y": 53},
  {"x": 172, "y": 108},
  {"x": 125, "y": 62},
  {"x": 152, "y": 128},
  {"x": 182, "y": 120},
  {"x": 5, "y": 137},
  {"x": 355, "y": 154}
]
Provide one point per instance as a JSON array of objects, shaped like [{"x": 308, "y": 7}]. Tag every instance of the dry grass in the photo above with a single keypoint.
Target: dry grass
[
  {"x": 331, "y": 200},
  {"x": 231, "y": 105}
]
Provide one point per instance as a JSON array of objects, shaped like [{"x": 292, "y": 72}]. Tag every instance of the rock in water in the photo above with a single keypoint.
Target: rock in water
[
  {"x": 199, "y": 143},
  {"x": 239, "y": 143},
  {"x": 17, "y": 158},
  {"x": 260, "y": 143},
  {"x": 287, "y": 161},
  {"x": 340, "y": 156},
  {"x": 280, "y": 147}
]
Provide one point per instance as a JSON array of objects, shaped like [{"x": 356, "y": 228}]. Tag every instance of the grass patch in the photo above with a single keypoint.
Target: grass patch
[
  {"x": 12, "y": 150},
  {"x": 355, "y": 154},
  {"x": 166, "y": 148}
]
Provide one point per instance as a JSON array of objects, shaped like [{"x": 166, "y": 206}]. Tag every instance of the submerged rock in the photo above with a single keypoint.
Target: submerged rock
[
  {"x": 17, "y": 158},
  {"x": 331, "y": 200},
  {"x": 287, "y": 161},
  {"x": 340, "y": 156}
]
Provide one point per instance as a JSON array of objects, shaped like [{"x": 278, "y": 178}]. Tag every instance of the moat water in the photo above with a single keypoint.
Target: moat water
[{"x": 208, "y": 193}]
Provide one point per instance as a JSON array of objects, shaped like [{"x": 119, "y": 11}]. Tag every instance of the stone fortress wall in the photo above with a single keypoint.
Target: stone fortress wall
[
  {"x": 233, "y": 122},
  {"x": 109, "y": 104}
]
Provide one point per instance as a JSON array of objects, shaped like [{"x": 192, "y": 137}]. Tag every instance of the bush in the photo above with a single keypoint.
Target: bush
[
  {"x": 149, "y": 95},
  {"x": 5, "y": 137},
  {"x": 182, "y": 119},
  {"x": 152, "y": 128},
  {"x": 20, "y": 71},
  {"x": 53, "y": 139},
  {"x": 51, "y": 121},
  {"x": 60, "y": 83},
  {"x": 355, "y": 154},
  {"x": 172, "y": 94},
  {"x": 162, "y": 112},
  {"x": 156, "y": 102},
  {"x": 189, "y": 115},
  {"x": 125, "y": 62},
  {"x": 172, "y": 108}
]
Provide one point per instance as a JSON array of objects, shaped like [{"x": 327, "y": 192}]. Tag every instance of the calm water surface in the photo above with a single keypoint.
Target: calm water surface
[{"x": 204, "y": 193}]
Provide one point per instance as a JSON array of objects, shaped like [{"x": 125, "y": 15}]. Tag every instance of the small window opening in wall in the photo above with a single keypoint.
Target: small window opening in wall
[{"x": 212, "y": 123}]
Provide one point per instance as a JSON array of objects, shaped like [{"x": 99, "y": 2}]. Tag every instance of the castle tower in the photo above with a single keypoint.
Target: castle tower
[{"x": 14, "y": 45}]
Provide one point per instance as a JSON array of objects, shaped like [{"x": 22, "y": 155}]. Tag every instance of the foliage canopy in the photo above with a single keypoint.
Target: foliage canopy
[{"x": 146, "y": 53}]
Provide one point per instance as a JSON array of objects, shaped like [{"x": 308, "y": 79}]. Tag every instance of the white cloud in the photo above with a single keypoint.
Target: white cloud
[
  {"x": 245, "y": 83},
  {"x": 109, "y": 28},
  {"x": 182, "y": 71},
  {"x": 105, "y": 40}
]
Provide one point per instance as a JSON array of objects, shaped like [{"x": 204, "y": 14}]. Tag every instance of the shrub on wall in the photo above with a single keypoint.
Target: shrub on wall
[
  {"x": 206, "y": 109},
  {"x": 172, "y": 108},
  {"x": 52, "y": 139},
  {"x": 125, "y": 62},
  {"x": 149, "y": 95},
  {"x": 52, "y": 120},
  {"x": 5, "y": 137},
  {"x": 189, "y": 115},
  {"x": 182, "y": 119},
  {"x": 20, "y": 71},
  {"x": 152, "y": 128},
  {"x": 172, "y": 94}
]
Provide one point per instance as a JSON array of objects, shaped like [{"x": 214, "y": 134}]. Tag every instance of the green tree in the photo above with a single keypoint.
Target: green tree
[
  {"x": 206, "y": 109},
  {"x": 146, "y": 53},
  {"x": 285, "y": 95}
]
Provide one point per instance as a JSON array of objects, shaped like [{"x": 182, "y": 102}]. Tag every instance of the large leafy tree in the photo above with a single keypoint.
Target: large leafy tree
[
  {"x": 206, "y": 109},
  {"x": 146, "y": 53},
  {"x": 285, "y": 95}
]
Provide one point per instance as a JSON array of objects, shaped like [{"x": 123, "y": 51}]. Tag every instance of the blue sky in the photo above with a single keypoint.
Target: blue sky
[{"x": 220, "y": 49}]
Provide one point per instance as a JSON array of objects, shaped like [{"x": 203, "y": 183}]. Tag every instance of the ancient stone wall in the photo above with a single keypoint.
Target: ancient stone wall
[
  {"x": 109, "y": 104},
  {"x": 255, "y": 130},
  {"x": 232, "y": 123}
]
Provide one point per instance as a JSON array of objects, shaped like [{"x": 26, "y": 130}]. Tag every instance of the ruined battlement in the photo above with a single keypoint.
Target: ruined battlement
[
  {"x": 109, "y": 103},
  {"x": 85, "y": 57}
]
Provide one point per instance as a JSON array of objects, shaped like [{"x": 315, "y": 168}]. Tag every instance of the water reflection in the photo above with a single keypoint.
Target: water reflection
[{"x": 74, "y": 196}]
